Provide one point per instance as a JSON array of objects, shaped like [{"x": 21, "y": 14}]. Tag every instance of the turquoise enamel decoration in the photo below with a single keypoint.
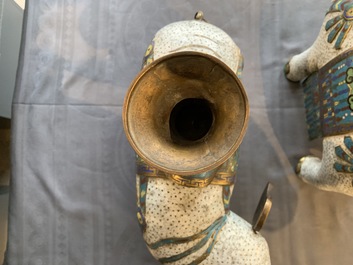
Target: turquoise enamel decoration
[
  {"x": 345, "y": 155},
  {"x": 340, "y": 25},
  {"x": 328, "y": 98}
]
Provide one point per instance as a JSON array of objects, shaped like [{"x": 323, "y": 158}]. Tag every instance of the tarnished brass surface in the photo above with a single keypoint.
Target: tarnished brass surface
[
  {"x": 199, "y": 16},
  {"x": 263, "y": 209},
  {"x": 156, "y": 93}
]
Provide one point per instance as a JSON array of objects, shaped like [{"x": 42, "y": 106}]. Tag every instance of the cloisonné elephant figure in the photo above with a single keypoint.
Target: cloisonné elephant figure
[
  {"x": 326, "y": 72},
  {"x": 174, "y": 118}
]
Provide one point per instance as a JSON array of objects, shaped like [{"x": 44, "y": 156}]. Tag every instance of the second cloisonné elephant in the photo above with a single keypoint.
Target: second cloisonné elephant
[{"x": 326, "y": 72}]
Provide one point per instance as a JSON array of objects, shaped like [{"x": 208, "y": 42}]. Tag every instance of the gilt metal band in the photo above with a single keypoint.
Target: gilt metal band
[{"x": 225, "y": 175}]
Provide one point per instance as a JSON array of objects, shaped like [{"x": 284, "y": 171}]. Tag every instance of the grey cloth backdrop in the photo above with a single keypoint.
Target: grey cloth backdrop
[{"x": 73, "y": 194}]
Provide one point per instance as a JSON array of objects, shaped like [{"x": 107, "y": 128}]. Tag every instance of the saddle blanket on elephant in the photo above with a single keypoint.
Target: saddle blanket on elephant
[{"x": 328, "y": 98}]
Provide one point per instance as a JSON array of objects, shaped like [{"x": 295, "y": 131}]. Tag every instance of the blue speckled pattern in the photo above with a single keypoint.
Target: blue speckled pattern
[{"x": 209, "y": 233}]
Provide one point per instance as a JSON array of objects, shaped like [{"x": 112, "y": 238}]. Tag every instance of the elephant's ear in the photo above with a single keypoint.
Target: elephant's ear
[
  {"x": 340, "y": 25},
  {"x": 338, "y": 5}
]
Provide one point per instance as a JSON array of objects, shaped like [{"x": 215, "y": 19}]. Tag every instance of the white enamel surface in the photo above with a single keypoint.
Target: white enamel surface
[
  {"x": 316, "y": 171},
  {"x": 197, "y": 36},
  {"x": 177, "y": 211}
]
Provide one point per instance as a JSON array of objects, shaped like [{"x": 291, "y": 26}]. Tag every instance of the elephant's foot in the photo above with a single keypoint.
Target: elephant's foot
[
  {"x": 286, "y": 71},
  {"x": 314, "y": 172},
  {"x": 308, "y": 169},
  {"x": 297, "y": 68}
]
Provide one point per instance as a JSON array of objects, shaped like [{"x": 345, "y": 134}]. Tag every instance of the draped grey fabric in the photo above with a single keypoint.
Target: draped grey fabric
[{"x": 72, "y": 198}]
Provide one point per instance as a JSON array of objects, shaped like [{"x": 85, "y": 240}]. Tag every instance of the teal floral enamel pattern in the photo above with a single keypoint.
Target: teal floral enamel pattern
[
  {"x": 340, "y": 25},
  {"x": 346, "y": 156}
]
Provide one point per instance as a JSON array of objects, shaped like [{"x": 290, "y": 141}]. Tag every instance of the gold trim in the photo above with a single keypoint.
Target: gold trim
[
  {"x": 225, "y": 177},
  {"x": 192, "y": 182}
]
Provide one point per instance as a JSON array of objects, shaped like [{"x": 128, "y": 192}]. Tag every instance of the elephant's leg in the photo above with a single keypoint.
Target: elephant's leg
[
  {"x": 331, "y": 172},
  {"x": 322, "y": 51},
  {"x": 300, "y": 66}
]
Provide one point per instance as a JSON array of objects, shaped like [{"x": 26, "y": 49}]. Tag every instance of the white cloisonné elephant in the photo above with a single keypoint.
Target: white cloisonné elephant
[
  {"x": 326, "y": 69},
  {"x": 186, "y": 218}
]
